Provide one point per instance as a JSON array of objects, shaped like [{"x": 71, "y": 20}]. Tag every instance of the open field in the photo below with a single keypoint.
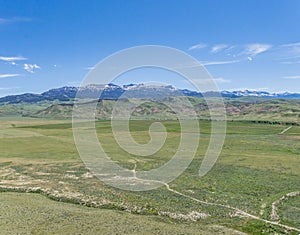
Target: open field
[
  {"x": 257, "y": 167},
  {"x": 43, "y": 216}
]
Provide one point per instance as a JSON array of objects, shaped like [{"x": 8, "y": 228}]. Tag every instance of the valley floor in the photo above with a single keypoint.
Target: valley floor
[{"x": 258, "y": 167}]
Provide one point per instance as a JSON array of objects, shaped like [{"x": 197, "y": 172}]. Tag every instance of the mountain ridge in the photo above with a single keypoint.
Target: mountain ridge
[{"x": 112, "y": 91}]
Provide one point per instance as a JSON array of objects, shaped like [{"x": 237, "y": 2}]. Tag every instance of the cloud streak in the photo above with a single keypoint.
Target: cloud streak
[
  {"x": 8, "y": 88},
  {"x": 296, "y": 44},
  {"x": 11, "y": 59},
  {"x": 89, "y": 68},
  {"x": 256, "y": 48},
  {"x": 214, "y": 80},
  {"x": 292, "y": 77},
  {"x": 197, "y": 46},
  {"x": 221, "y": 80},
  {"x": 290, "y": 62},
  {"x": 9, "y": 75},
  {"x": 205, "y": 63},
  {"x": 14, "y": 20},
  {"x": 292, "y": 49},
  {"x": 219, "y": 47}
]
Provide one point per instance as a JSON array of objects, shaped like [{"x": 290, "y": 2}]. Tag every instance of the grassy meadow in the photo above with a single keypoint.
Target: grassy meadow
[{"x": 257, "y": 167}]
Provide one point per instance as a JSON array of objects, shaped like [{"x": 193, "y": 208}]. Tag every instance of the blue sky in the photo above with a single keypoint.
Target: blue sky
[{"x": 243, "y": 44}]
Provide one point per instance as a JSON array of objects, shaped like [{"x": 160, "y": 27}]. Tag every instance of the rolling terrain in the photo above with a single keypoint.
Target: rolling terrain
[
  {"x": 247, "y": 109},
  {"x": 252, "y": 189},
  {"x": 258, "y": 166}
]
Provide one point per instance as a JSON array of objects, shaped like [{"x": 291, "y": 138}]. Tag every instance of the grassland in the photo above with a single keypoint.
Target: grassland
[
  {"x": 257, "y": 166},
  {"x": 35, "y": 214}
]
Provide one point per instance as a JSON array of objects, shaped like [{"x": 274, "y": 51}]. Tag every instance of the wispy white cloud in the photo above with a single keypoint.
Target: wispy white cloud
[
  {"x": 197, "y": 46},
  {"x": 290, "y": 62},
  {"x": 31, "y": 67},
  {"x": 256, "y": 48},
  {"x": 290, "y": 57},
  {"x": 221, "y": 80},
  {"x": 219, "y": 62},
  {"x": 89, "y": 68},
  {"x": 204, "y": 63},
  {"x": 291, "y": 49},
  {"x": 219, "y": 47},
  {"x": 12, "y": 59},
  {"x": 14, "y": 20},
  {"x": 206, "y": 81},
  {"x": 292, "y": 77},
  {"x": 9, "y": 75},
  {"x": 296, "y": 44},
  {"x": 8, "y": 88}
]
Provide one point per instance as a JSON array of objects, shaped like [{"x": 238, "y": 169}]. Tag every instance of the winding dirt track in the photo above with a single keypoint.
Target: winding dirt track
[{"x": 239, "y": 212}]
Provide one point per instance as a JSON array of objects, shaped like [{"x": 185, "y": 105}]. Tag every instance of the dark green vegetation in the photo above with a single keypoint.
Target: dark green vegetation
[{"x": 257, "y": 166}]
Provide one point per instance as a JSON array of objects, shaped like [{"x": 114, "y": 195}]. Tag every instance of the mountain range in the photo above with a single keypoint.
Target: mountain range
[{"x": 112, "y": 91}]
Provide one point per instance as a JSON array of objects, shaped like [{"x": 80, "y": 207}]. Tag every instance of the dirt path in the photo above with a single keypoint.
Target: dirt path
[
  {"x": 239, "y": 212},
  {"x": 274, "y": 214},
  {"x": 285, "y": 130}
]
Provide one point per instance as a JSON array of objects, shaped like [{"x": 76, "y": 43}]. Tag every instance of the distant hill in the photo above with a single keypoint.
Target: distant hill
[
  {"x": 112, "y": 91},
  {"x": 261, "y": 110}
]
